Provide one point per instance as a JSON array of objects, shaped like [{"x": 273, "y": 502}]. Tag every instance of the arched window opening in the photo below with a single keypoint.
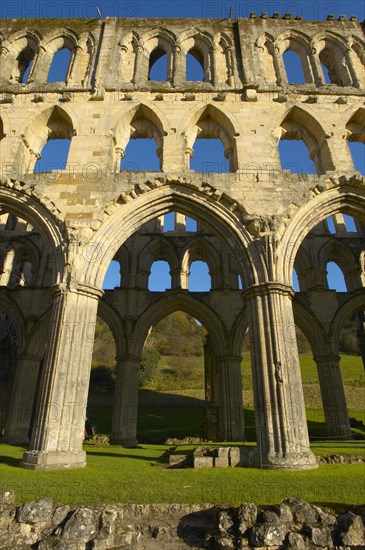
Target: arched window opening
[
  {"x": 335, "y": 278},
  {"x": 2, "y": 134},
  {"x": 240, "y": 285},
  {"x": 199, "y": 277},
  {"x": 209, "y": 156},
  {"x": 293, "y": 67},
  {"x": 169, "y": 222},
  {"x": 191, "y": 225},
  {"x": 195, "y": 66},
  {"x": 326, "y": 74},
  {"x": 350, "y": 223},
  {"x": 58, "y": 70},
  {"x": 160, "y": 277},
  {"x": 10, "y": 222},
  {"x": 141, "y": 154},
  {"x": 158, "y": 66},
  {"x": 295, "y": 281},
  {"x": 173, "y": 362},
  {"x": 357, "y": 150},
  {"x": 334, "y": 72},
  {"x": 53, "y": 156},
  {"x": 331, "y": 225},
  {"x": 179, "y": 223},
  {"x": 25, "y": 62},
  {"x": 294, "y": 156},
  {"x": 112, "y": 277}
]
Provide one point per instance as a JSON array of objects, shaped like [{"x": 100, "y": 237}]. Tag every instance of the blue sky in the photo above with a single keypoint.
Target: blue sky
[
  {"x": 208, "y": 154},
  {"x": 308, "y": 9}
]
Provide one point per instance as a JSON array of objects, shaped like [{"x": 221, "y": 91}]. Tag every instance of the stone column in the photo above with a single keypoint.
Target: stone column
[
  {"x": 316, "y": 68},
  {"x": 212, "y": 69},
  {"x": 125, "y": 408},
  {"x": 211, "y": 392},
  {"x": 333, "y": 397},
  {"x": 352, "y": 76},
  {"x": 279, "y": 66},
  {"x": 281, "y": 427},
  {"x": 139, "y": 77},
  {"x": 231, "y": 422},
  {"x": 58, "y": 430},
  {"x": 17, "y": 425},
  {"x": 177, "y": 68}
]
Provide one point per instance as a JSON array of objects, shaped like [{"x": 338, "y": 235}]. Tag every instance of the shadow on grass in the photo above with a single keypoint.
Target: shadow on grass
[
  {"x": 10, "y": 461},
  {"x": 123, "y": 455}
]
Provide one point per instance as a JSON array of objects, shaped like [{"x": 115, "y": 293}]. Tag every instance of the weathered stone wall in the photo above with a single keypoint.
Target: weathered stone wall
[
  {"x": 292, "y": 525},
  {"x": 79, "y": 218}
]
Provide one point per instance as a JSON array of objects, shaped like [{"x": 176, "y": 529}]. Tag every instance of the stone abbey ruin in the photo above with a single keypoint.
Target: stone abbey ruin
[{"x": 60, "y": 229}]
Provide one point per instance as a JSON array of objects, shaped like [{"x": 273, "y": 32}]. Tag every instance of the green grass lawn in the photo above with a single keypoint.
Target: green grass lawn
[{"x": 114, "y": 474}]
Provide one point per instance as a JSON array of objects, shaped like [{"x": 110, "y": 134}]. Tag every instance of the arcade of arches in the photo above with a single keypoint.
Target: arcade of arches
[{"x": 255, "y": 224}]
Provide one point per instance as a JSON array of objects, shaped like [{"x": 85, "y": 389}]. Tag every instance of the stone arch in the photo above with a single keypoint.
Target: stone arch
[
  {"x": 64, "y": 36},
  {"x": 170, "y": 304},
  {"x": 300, "y": 124},
  {"x": 156, "y": 43},
  {"x": 116, "y": 325},
  {"x": 159, "y": 248},
  {"x": 142, "y": 120},
  {"x": 127, "y": 54},
  {"x": 345, "y": 198},
  {"x": 299, "y": 43},
  {"x": 238, "y": 332},
  {"x": 312, "y": 329},
  {"x": 55, "y": 40},
  {"x": 358, "y": 60},
  {"x": 26, "y": 207},
  {"x": 355, "y": 127},
  {"x": 335, "y": 251},
  {"x": 51, "y": 123},
  {"x": 201, "y": 249},
  {"x": 199, "y": 44},
  {"x": 225, "y": 60},
  {"x": 265, "y": 45},
  {"x": 23, "y": 47},
  {"x": 331, "y": 49},
  {"x": 353, "y": 304},
  {"x": 212, "y": 122},
  {"x": 303, "y": 263},
  {"x": 157, "y": 202}
]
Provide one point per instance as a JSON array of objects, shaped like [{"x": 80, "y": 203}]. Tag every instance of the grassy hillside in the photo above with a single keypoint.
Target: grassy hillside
[{"x": 172, "y": 372}]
